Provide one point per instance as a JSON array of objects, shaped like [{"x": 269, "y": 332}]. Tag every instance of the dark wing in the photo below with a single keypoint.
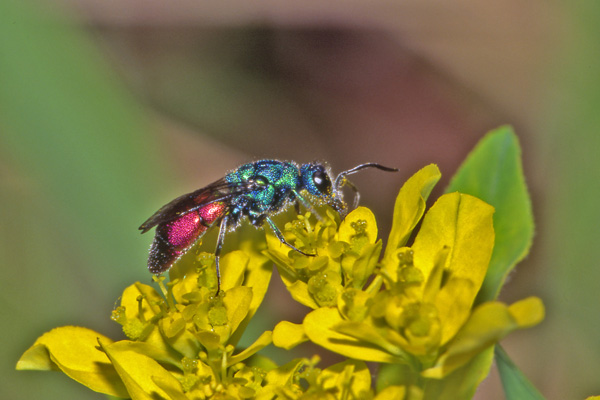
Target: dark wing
[{"x": 220, "y": 190}]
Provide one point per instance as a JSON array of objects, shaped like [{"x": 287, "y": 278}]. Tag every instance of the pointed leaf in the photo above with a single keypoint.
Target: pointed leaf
[
  {"x": 493, "y": 173},
  {"x": 516, "y": 385}
]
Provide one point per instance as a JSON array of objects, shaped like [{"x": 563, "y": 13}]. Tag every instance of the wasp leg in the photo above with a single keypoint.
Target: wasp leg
[
  {"x": 282, "y": 239},
  {"x": 355, "y": 191},
  {"x": 220, "y": 238},
  {"x": 297, "y": 206}
]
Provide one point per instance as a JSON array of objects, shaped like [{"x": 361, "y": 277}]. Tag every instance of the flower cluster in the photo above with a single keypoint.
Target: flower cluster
[
  {"x": 417, "y": 311},
  {"x": 181, "y": 344},
  {"x": 413, "y": 309}
]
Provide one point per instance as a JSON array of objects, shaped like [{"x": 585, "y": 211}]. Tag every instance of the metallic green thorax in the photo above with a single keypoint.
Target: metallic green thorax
[{"x": 275, "y": 181}]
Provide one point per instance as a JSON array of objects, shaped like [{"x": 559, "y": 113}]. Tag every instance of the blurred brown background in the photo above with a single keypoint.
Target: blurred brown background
[{"x": 109, "y": 109}]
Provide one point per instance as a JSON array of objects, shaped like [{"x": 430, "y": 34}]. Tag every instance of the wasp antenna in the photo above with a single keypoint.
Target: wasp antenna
[{"x": 340, "y": 180}]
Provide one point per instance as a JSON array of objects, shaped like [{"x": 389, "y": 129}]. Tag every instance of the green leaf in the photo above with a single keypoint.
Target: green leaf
[
  {"x": 493, "y": 173},
  {"x": 515, "y": 384}
]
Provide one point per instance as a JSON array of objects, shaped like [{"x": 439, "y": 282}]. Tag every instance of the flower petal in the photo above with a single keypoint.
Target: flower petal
[
  {"x": 279, "y": 379},
  {"x": 351, "y": 377},
  {"x": 527, "y": 312},
  {"x": 462, "y": 383},
  {"x": 237, "y": 301},
  {"x": 263, "y": 340},
  {"x": 150, "y": 301},
  {"x": 488, "y": 323},
  {"x": 74, "y": 350},
  {"x": 410, "y": 206},
  {"x": 365, "y": 264},
  {"x": 464, "y": 225},
  {"x": 288, "y": 335},
  {"x": 347, "y": 230},
  {"x": 300, "y": 293},
  {"x": 319, "y": 326},
  {"x": 258, "y": 275},
  {"x": 391, "y": 392},
  {"x": 138, "y": 371},
  {"x": 233, "y": 267},
  {"x": 172, "y": 388}
]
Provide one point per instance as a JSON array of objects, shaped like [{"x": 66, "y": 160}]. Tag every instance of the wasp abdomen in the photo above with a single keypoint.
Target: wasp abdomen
[{"x": 173, "y": 238}]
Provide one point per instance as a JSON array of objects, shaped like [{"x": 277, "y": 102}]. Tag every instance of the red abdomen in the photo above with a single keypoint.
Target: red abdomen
[{"x": 175, "y": 237}]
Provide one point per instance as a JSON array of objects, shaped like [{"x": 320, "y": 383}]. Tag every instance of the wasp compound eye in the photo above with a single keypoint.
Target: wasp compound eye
[{"x": 321, "y": 181}]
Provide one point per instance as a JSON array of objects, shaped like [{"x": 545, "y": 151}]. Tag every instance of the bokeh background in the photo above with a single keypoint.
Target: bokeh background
[{"x": 109, "y": 109}]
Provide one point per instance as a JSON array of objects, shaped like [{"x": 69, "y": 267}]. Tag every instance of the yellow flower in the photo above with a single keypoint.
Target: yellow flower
[
  {"x": 423, "y": 318},
  {"x": 181, "y": 343}
]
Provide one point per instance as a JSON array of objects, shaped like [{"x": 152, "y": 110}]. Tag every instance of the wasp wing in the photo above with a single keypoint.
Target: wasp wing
[{"x": 220, "y": 190}]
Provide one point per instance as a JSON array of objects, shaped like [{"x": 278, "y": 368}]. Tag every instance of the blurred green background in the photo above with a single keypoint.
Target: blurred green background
[{"x": 110, "y": 109}]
